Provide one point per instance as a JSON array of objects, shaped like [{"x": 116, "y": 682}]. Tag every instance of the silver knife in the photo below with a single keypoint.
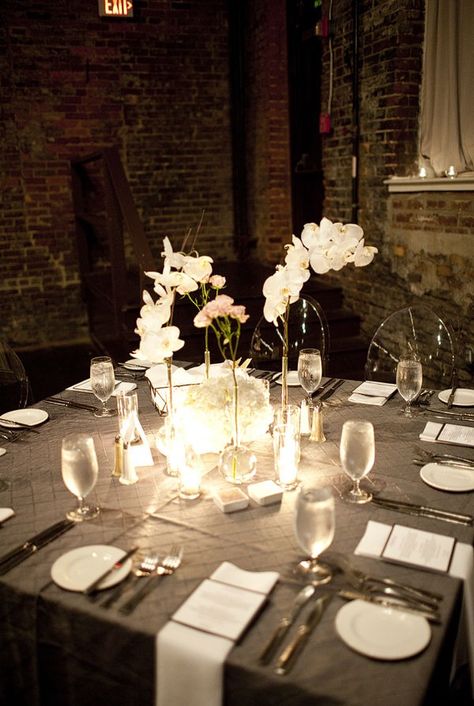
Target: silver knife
[
  {"x": 423, "y": 511},
  {"x": 453, "y": 390},
  {"x": 285, "y": 623},
  {"x": 352, "y": 595},
  {"x": 32, "y": 545},
  {"x": 289, "y": 655},
  {"x": 70, "y": 403},
  {"x": 323, "y": 388},
  {"x": 115, "y": 566},
  {"x": 326, "y": 395}
]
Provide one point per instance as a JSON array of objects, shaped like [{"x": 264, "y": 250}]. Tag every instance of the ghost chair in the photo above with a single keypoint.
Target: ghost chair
[
  {"x": 14, "y": 384},
  {"x": 307, "y": 328},
  {"x": 417, "y": 331}
]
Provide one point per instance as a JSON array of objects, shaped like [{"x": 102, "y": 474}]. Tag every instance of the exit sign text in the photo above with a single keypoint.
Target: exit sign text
[{"x": 116, "y": 8}]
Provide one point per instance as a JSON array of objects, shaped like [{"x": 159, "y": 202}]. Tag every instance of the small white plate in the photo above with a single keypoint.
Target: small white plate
[
  {"x": 137, "y": 364},
  {"x": 382, "y": 633},
  {"x": 456, "y": 480},
  {"x": 78, "y": 568},
  {"x": 30, "y": 416},
  {"x": 3, "y": 452},
  {"x": 291, "y": 379},
  {"x": 463, "y": 397}
]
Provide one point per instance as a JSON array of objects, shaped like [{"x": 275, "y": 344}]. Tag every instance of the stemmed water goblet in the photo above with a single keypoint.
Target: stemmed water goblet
[
  {"x": 80, "y": 469},
  {"x": 409, "y": 381},
  {"x": 309, "y": 371},
  {"x": 314, "y": 523},
  {"x": 357, "y": 453},
  {"x": 102, "y": 380}
]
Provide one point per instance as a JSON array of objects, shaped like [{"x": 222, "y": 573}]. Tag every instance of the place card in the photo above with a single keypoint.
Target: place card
[
  {"x": 225, "y": 609},
  {"x": 6, "y": 513},
  {"x": 408, "y": 546},
  {"x": 455, "y": 434},
  {"x": 372, "y": 392}
]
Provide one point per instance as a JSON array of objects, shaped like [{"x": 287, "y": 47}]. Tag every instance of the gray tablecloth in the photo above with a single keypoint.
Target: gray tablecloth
[{"x": 59, "y": 647}]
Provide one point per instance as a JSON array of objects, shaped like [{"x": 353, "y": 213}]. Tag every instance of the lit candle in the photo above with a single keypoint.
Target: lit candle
[
  {"x": 422, "y": 173},
  {"x": 286, "y": 450},
  {"x": 451, "y": 172},
  {"x": 189, "y": 482}
]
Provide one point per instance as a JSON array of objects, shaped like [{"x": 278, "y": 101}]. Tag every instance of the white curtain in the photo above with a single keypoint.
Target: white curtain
[{"x": 447, "y": 104}]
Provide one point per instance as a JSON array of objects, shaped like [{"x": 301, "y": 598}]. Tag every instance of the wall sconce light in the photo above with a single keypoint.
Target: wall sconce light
[{"x": 451, "y": 172}]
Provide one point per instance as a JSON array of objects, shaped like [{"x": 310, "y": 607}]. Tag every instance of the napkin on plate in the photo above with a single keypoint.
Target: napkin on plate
[
  {"x": 374, "y": 393},
  {"x": 85, "y": 386},
  {"x": 462, "y": 567},
  {"x": 193, "y": 645},
  {"x": 6, "y": 513}
]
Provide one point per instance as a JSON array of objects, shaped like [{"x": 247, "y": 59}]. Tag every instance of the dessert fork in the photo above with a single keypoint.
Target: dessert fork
[
  {"x": 145, "y": 568},
  {"x": 166, "y": 567}
]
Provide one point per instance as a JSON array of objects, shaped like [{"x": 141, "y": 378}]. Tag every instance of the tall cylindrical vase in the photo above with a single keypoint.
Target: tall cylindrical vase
[
  {"x": 284, "y": 381},
  {"x": 237, "y": 463}
]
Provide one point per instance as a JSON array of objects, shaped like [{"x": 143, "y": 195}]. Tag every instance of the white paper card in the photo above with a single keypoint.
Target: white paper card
[
  {"x": 448, "y": 434},
  {"x": 419, "y": 548},
  {"x": 219, "y": 609}
]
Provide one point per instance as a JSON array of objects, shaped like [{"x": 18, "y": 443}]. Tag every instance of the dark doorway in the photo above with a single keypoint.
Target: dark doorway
[{"x": 304, "y": 67}]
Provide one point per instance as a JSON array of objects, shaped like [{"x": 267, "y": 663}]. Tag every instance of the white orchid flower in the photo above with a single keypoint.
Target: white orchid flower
[
  {"x": 273, "y": 309},
  {"x": 347, "y": 236},
  {"x": 297, "y": 257},
  {"x": 364, "y": 254},
  {"x": 174, "y": 259},
  {"x": 199, "y": 268},
  {"x": 159, "y": 345},
  {"x": 154, "y": 315},
  {"x": 280, "y": 288}
]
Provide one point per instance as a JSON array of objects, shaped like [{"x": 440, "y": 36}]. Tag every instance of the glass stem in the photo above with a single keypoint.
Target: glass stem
[{"x": 356, "y": 488}]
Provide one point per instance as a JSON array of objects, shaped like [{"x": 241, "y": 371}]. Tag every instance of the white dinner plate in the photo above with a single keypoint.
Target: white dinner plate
[
  {"x": 463, "y": 397},
  {"x": 456, "y": 480},
  {"x": 78, "y": 568},
  {"x": 30, "y": 416},
  {"x": 291, "y": 378},
  {"x": 3, "y": 452},
  {"x": 137, "y": 364},
  {"x": 382, "y": 633}
]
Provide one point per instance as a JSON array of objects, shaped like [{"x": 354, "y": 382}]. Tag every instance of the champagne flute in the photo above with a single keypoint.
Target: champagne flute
[
  {"x": 79, "y": 470},
  {"x": 309, "y": 371},
  {"x": 102, "y": 383},
  {"x": 314, "y": 523},
  {"x": 357, "y": 453},
  {"x": 409, "y": 381}
]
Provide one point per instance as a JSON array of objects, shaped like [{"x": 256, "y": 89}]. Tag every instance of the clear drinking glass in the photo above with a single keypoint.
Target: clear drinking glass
[
  {"x": 286, "y": 451},
  {"x": 357, "y": 452},
  {"x": 102, "y": 383},
  {"x": 409, "y": 381},
  {"x": 310, "y": 371},
  {"x": 315, "y": 525},
  {"x": 80, "y": 470}
]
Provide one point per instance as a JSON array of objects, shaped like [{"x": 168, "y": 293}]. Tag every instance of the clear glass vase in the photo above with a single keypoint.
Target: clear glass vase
[
  {"x": 284, "y": 381},
  {"x": 237, "y": 463}
]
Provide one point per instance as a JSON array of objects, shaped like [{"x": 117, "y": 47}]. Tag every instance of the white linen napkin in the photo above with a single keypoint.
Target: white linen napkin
[
  {"x": 374, "y": 393},
  {"x": 85, "y": 386},
  {"x": 462, "y": 567},
  {"x": 5, "y": 513},
  {"x": 193, "y": 645}
]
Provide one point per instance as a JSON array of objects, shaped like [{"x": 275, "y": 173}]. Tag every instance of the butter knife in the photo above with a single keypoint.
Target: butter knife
[
  {"x": 70, "y": 403},
  {"x": 423, "y": 511},
  {"x": 326, "y": 395},
  {"x": 323, "y": 388},
  {"x": 378, "y": 599},
  {"x": 288, "y": 656},
  {"x": 91, "y": 588},
  {"x": 32, "y": 545},
  {"x": 453, "y": 390},
  {"x": 285, "y": 623}
]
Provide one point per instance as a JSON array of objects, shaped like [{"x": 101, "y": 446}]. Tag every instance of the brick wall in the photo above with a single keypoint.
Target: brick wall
[
  {"x": 72, "y": 83},
  {"x": 426, "y": 241}
]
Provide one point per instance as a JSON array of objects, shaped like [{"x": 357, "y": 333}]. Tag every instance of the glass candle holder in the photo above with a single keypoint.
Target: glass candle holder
[
  {"x": 189, "y": 475},
  {"x": 286, "y": 450}
]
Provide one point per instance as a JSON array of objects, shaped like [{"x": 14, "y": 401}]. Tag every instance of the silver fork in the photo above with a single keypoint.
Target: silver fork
[
  {"x": 145, "y": 568},
  {"x": 448, "y": 457},
  {"x": 166, "y": 567}
]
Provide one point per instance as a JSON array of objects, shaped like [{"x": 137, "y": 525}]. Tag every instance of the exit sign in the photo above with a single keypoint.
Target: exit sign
[{"x": 116, "y": 8}]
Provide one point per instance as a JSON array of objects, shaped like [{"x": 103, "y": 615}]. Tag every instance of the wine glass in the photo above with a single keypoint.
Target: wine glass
[
  {"x": 409, "y": 381},
  {"x": 309, "y": 371},
  {"x": 357, "y": 453},
  {"x": 314, "y": 528},
  {"x": 102, "y": 383},
  {"x": 80, "y": 470}
]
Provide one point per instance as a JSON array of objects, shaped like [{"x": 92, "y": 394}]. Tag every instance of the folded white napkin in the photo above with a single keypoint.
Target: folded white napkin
[
  {"x": 374, "y": 393},
  {"x": 192, "y": 647},
  {"x": 462, "y": 567},
  {"x": 158, "y": 375},
  {"x": 5, "y": 513},
  {"x": 85, "y": 386},
  {"x": 448, "y": 434}
]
